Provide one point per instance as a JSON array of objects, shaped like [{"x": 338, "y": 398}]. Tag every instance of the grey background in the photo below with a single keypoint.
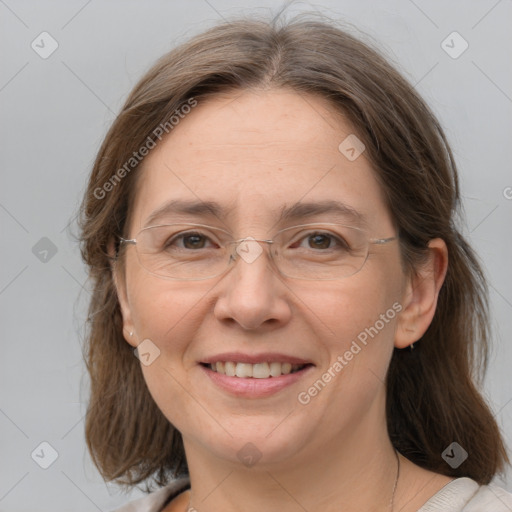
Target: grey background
[{"x": 54, "y": 113}]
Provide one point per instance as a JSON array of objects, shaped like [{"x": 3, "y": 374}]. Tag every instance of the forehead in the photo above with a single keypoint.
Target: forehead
[{"x": 255, "y": 153}]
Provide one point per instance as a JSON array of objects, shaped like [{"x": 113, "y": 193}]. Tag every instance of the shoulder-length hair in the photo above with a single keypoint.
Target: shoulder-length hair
[{"x": 432, "y": 395}]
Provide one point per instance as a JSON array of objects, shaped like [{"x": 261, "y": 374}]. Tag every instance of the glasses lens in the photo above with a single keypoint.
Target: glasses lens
[
  {"x": 321, "y": 251},
  {"x": 194, "y": 251},
  {"x": 183, "y": 251}
]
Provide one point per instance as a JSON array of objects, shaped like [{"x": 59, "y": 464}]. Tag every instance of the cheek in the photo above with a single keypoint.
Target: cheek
[
  {"x": 341, "y": 312},
  {"x": 169, "y": 314},
  {"x": 166, "y": 312},
  {"x": 355, "y": 324}
]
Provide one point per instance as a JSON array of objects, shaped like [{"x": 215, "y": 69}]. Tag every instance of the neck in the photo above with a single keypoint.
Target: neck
[{"x": 355, "y": 472}]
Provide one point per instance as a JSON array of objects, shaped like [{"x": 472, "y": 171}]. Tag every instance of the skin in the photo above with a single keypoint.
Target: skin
[{"x": 254, "y": 152}]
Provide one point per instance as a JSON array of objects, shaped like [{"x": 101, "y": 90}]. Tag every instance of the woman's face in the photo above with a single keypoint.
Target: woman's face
[{"x": 255, "y": 154}]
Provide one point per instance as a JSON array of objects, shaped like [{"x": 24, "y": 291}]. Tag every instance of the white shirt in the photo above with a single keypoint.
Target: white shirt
[{"x": 460, "y": 495}]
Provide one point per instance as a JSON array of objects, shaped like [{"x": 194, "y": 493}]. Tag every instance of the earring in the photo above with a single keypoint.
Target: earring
[
  {"x": 131, "y": 333},
  {"x": 412, "y": 346}
]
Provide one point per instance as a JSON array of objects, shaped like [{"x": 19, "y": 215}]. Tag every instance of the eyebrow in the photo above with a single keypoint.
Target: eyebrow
[
  {"x": 337, "y": 209},
  {"x": 183, "y": 207},
  {"x": 296, "y": 212}
]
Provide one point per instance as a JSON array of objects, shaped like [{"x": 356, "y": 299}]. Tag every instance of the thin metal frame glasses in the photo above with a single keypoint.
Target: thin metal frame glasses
[{"x": 191, "y": 252}]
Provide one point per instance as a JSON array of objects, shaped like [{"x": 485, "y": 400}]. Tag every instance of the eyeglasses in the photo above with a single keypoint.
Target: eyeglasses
[{"x": 192, "y": 252}]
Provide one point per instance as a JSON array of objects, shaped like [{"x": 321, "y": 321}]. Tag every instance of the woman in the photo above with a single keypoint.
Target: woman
[{"x": 269, "y": 227}]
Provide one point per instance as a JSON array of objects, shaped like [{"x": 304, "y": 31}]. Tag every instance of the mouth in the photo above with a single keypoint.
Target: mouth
[
  {"x": 254, "y": 376},
  {"x": 263, "y": 370}
]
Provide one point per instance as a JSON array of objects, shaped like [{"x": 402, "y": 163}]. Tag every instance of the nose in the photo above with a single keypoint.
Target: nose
[{"x": 252, "y": 293}]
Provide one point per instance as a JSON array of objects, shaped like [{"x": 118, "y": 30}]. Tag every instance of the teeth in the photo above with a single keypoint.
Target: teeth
[
  {"x": 286, "y": 368},
  {"x": 230, "y": 368},
  {"x": 275, "y": 369},
  {"x": 261, "y": 371},
  {"x": 243, "y": 370},
  {"x": 256, "y": 371}
]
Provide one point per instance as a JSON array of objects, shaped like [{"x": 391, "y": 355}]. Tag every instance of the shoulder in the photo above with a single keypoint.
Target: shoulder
[
  {"x": 492, "y": 498},
  {"x": 466, "y": 495},
  {"x": 155, "y": 501}
]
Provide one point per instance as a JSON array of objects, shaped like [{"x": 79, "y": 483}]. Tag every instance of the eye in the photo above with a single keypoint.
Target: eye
[
  {"x": 191, "y": 240},
  {"x": 321, "y": 241}
]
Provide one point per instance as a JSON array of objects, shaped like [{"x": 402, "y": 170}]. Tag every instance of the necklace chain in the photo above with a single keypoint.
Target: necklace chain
[{"x": 392, "y": 503}]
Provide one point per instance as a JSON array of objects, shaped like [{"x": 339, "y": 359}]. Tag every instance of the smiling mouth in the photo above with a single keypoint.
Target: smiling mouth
[{"x": 263, "y": 370}]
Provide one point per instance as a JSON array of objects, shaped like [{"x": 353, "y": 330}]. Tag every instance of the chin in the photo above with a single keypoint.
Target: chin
[{"x": 260, "y": 441}]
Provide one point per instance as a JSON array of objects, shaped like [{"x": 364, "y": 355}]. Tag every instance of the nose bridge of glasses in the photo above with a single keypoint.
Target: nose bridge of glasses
[{"x": 249, "y": 248}]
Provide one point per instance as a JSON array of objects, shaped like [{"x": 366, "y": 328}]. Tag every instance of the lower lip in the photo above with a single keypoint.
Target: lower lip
[{"x": 254, "y": 388}]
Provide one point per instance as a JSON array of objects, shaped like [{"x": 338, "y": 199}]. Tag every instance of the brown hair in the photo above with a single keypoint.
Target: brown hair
[{"x": 432, "y": 399}]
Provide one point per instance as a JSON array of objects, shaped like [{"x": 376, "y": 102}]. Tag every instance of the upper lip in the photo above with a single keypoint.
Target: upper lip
[{"x": 265, "y": 357}]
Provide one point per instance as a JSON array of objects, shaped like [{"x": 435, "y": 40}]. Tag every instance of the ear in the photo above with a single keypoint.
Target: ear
[
  {"x": 419, "y": 300},
  {"x": 119, "y": 280}
]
